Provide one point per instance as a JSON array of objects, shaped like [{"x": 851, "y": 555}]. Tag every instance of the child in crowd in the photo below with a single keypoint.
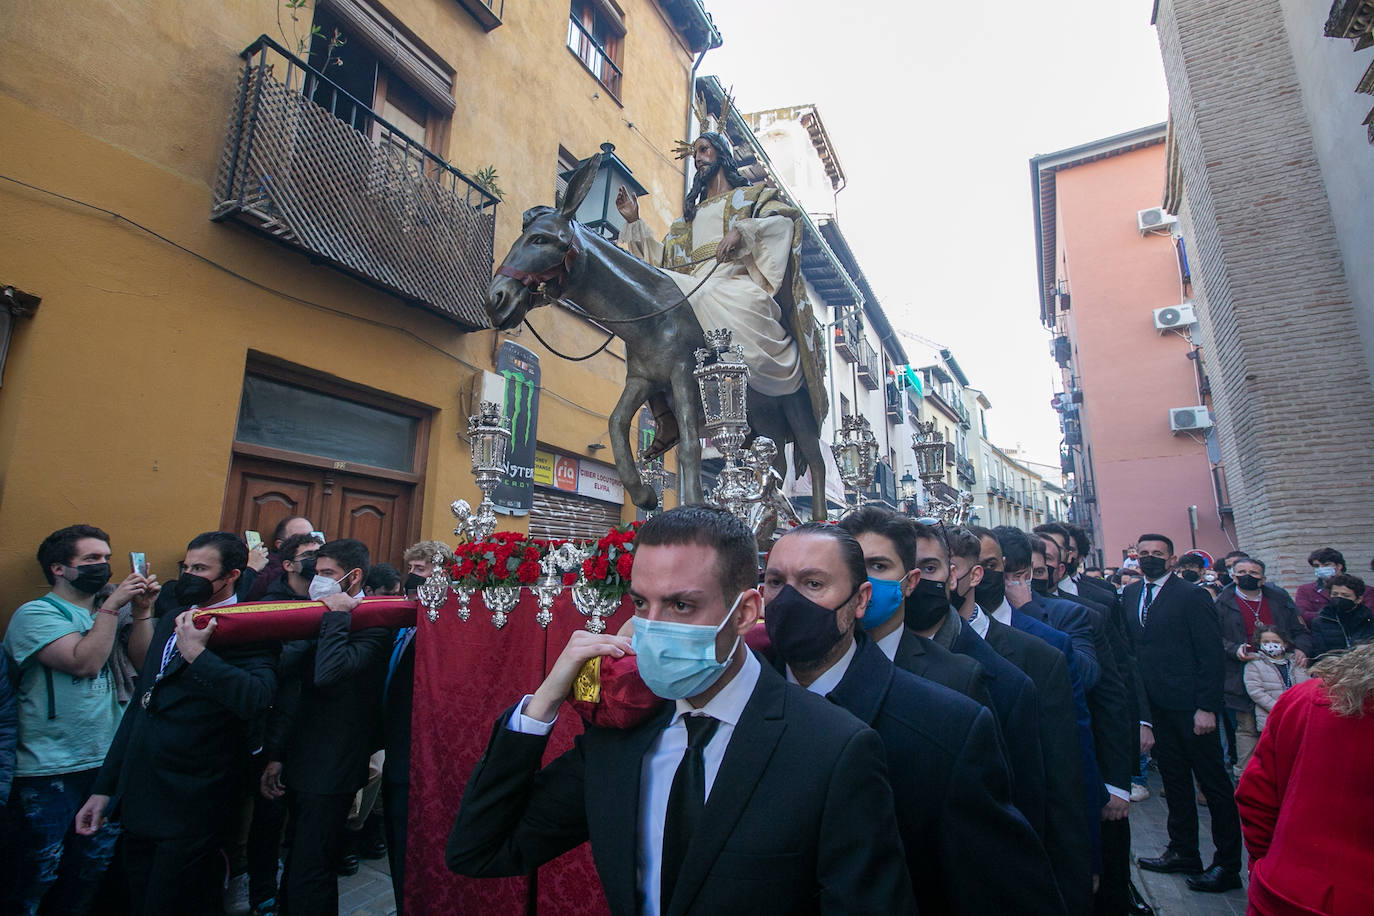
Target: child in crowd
[{"x": 1267, "y": 677}]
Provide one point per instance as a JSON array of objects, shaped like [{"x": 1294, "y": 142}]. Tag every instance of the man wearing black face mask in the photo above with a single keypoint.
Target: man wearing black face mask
[
  {"x": 950, "y": 784},
  {"x": 1190, "y": 567},
  {"x": 1176, "y": 636},
  {"x": 175, "y": 769},
  {"x": 1224, "y": 567},
  {"x": 297, "y": 558},
  {"x": 69, "y": 708}
]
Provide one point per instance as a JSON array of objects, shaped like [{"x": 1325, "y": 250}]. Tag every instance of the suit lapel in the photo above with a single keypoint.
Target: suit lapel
[
  {"x": 907, "y": 650},
  {"x": 614, "y": 764},
  {"x": 865, "y": 685},
  {"x": 760, "y": 727}
]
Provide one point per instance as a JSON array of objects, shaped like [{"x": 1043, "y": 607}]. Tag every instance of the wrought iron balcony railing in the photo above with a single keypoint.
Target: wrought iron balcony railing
[
  {"x": 317, "y": 169},
  {"x": 868, "y": 365}
]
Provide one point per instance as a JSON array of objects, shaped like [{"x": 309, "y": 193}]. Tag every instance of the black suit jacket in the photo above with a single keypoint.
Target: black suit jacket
[
  {"x": 953, "y": 793},
  {"x": 1178, "y": 655},
  {"x": 1066, "y": 834},
  {"x": 782, "y": 830},
  {"x": 328, "y": 716},
  {"x": 934, "y": 662},
  {"x": 1112, "y": 703},
  {"x": 175, "y": 768},
  {"x": 1018, "y": 713}
]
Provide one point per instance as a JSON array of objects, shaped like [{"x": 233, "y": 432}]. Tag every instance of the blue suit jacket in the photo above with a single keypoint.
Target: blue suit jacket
[
  {"x": 1018, "y": 714},
  {"x": 1072, "y": 620}
]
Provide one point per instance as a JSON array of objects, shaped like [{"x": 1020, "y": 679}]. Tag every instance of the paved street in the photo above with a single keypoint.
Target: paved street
[{"x": 368, "y": 893}]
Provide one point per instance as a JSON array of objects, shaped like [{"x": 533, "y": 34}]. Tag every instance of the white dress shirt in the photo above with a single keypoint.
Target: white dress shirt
[
  {"x": 979, "y": 622},
  {"x": 1068, "y": 586},
  {"x": 1003, "y": 612},
  {"x": 831, "y": 677},
  {"x": 889, "y": 643},
  {"x": 1144, "y": 590},
  {"x": 660, "y": 766}
]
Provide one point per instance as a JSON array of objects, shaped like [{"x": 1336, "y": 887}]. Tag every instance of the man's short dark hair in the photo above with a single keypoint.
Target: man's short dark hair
[
  {"x": 1081, "y": 541},
  {"x": 737, "y": 564},
  {"x": 382, "y": 578},
  {"x": 349, "y": 552},
  {"x": 1239, "y": 560},
  {"x": 1017, "y": 547},
  {"x": 963, "y": 543},
  {"x": 980, "y": 531},
  {"x": 279, "y": 532},
  {"x": 851, "y": 553},
  {"x": 60, "y": 546},
  {"x": 1233, "y": 555},
  {"x": 1354, "y": 583},
  {"x": 233, "y": 552},
  {"x": 1054, "y": 528},
  {"x": 932, "y": 533},
  {"x": 897, "y": 528},
  {"x": 1092, "y": 569},
  {"x": 294, "y": 543},
  {"x": 1194, "y": 560},
  {"x": 1167, "y": 541},
  {"x": 1326, "y": 555}
]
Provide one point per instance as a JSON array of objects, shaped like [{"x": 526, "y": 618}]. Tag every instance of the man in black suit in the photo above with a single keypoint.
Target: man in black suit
[
  {"x": 888, "y": 540},
  {"x": 949, "y": 779},
  {"x": 1176, "y": 637},
  {"x": 740, "y": 796},
  {"x": 326, "y": 724},
  {"x": 175, "y": 768}
]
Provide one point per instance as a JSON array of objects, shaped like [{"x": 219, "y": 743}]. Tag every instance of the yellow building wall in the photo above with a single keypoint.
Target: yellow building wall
[{"x": 120, "y": 396}]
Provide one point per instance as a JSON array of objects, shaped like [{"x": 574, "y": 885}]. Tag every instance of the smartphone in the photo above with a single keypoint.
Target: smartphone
[
  {"x": 138, "y": 562},
  {"x": 320, "y": 536},
  {"x": 253, "y": 538}
]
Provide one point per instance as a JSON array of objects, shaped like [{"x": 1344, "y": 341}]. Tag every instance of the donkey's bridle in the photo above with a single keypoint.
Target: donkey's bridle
[{"x": 558, "y": 272}]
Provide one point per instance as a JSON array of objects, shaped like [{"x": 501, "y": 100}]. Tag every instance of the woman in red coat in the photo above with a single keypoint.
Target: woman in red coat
[{"x": 1307, "y": 798}]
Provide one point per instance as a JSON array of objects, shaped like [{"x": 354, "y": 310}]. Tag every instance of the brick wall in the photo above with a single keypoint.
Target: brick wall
[{"x": 1292, "y": 390}]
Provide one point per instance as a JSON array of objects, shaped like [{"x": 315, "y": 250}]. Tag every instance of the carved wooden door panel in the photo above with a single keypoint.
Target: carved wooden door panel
[
  {"x": 261, "y": 493},
  {"x": 374, "y": 511}
]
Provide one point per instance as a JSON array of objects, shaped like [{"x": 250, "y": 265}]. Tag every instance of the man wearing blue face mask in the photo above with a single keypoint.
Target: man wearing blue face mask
[
  {"x": 950, "y": 782},
  {"x": 739, "y": 796}
]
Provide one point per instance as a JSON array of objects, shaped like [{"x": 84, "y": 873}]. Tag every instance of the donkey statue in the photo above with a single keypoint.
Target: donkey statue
[{"x": 556, "y": 257}]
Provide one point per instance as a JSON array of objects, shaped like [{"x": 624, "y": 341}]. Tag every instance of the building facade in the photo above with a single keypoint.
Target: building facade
[
  {"x": 246, "y": 273},
  {"x": 1271, "y": 172},
  {"x": 1137, "y": 428}
]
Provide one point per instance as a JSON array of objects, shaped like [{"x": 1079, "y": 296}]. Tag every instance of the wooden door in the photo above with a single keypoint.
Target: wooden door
[{"x": 376, "y": 511}]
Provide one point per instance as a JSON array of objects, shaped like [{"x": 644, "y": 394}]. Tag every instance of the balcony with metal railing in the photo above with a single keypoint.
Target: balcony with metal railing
[
  {"x": 311, "y": 166},
  {"x": 966, "y": 471},
  {"x": 892, "y": 398},
  {"x": 847, "y": 338},
  {"x": 868, "y": 366}
]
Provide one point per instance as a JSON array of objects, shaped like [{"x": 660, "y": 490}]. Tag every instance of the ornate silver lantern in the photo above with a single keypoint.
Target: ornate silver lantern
[
  {"x": 489, "y": 438},
  {"x": 655, "y": 475},
  {"x": 723, "y": 379},
  {"x": 929, "y": 446},
  {"x": 856, "y": 452}
]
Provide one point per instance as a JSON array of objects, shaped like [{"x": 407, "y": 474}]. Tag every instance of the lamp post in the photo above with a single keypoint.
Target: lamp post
[
  {"x": 597, "y": 211},
  {"x": 856, "y": 451},
  {"x": 911, "y": 488},
  {"x": 929, "y": 446}
]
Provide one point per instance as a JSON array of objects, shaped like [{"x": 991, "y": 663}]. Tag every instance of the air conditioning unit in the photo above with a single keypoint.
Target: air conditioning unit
[
  {"x": 1187, "y": 419},
  {"x": 1175, "y": 316},
  {"x": 1154, "y": 219}
]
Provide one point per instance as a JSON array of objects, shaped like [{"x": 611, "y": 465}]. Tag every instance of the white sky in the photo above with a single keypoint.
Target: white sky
[{"x": 934, "y": 110}]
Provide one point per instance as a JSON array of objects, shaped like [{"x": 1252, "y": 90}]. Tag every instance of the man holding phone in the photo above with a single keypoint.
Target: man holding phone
[
  {"x": 272, "y": 570},
  {"x": 68, "y": 711}
]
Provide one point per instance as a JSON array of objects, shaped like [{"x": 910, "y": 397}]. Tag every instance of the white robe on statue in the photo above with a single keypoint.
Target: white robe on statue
[{"x": 739, "y": 295}]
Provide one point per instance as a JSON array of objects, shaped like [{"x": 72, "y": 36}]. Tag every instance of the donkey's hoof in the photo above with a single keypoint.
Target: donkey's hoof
[{"x": 644, "y": 497}]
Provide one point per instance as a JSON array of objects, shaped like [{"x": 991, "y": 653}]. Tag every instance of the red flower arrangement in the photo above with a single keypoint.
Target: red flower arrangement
[
  {"x": 608, "y": 569},
  {"x": 508, "y": 559}
]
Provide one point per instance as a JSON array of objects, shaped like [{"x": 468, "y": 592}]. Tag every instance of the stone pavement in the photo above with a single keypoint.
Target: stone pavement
[{"x": 368, "y": 893}]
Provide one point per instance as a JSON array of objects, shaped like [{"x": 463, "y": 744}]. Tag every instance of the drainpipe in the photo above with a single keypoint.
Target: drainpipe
[{"x": 691, "y": 97}]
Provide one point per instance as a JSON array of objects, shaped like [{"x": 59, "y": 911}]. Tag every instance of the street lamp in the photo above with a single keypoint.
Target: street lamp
[
  {"x": 856, "y": 451},
  {"x": 489, "y": 438},
  {"x": 911, "y": 488},
  {"x": 597, "y": 210}
]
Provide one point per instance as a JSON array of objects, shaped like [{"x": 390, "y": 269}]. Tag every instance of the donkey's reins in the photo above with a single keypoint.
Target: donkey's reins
[{"x": 560, "y": 270}]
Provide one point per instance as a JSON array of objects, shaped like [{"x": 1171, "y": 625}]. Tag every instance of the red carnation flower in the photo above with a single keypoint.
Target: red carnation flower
[
  {"x": 527, "y": 572},
  {"x": 570, "y": 578},
  {"x": 603, "y": 567},
  {"x": 623, "y": 565}
]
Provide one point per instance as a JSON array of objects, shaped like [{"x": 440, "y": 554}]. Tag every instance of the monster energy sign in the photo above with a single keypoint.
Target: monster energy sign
[{"x": 520, "y": 370}]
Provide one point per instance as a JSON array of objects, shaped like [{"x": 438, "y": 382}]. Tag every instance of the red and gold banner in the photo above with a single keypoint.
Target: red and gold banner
[{"x": 269, "y": 620}]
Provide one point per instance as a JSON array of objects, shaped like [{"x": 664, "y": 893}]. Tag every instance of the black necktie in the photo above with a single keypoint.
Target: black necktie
[
  {"x": 685, "y": 803},
  {"x": 1149, "y": 599}
]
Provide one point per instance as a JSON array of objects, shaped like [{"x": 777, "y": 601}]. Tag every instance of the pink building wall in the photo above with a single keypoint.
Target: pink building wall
[{"x": 1131, "y": 375}]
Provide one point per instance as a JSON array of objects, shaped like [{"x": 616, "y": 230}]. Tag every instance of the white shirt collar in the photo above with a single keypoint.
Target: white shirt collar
[
  {"x": 1068, "y": 586},
  {"x": 1159, "y": 583},
  {"x": 1003, "y": 613},
  {"x": 232, "y": 599},
  {"x": 831, "y": 677},
  {"x": 889, "y": 643},
  {"x": 979, "y": 622},
  {"x": 728, "y": 705}
]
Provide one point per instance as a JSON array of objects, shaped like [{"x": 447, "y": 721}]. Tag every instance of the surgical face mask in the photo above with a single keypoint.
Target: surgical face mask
[
  {"x": 1153, "y": 567},
  {"x": 193, "y": 589},
  {"x": 306, "y": 566},
  {"x": 323, "y": 587},
  {"x": 412, "y": 582},
  {"x": 90, "y": 577},
  {"x": 1342, "y": 605},
  {"x": 1041, "y": 587},
  {"x": 927, "y": 604},
  {"x": 1272, "y": 649},
  {"x": 1248, "y": 583},
  {"x": 1325, "y": 572},
  {"x": 1190, "y": 575},
  {"x": 992, "y": 591},
  {"x": 801, "y": 630},
  {"x": 678, "y": 660},
  {"x": 887, "y": 598}
]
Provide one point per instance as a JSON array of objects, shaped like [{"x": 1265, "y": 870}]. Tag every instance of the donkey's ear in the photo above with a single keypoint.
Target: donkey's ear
[{"x": 578, "y": 186}]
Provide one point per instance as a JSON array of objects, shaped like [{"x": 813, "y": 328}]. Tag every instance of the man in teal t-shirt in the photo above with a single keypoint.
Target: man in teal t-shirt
[{"x": 69, "y": 710}]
